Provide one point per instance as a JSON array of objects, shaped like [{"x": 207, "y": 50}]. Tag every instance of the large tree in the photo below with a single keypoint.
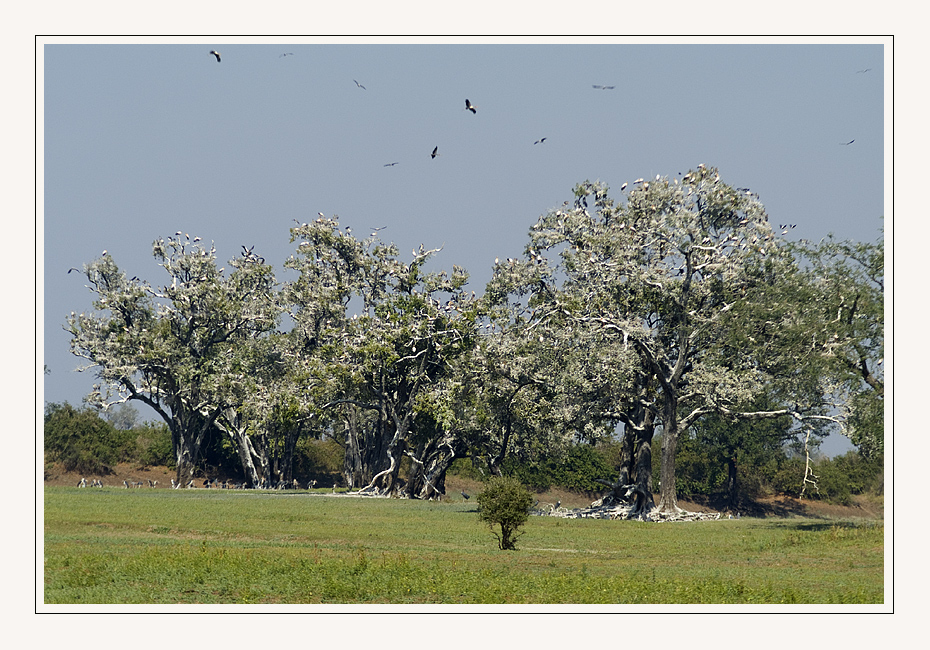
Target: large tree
[
  {"x": 174, "y": 347},
  {"x": 378, "y": 365},
  {"x": 685, "y": 274}
]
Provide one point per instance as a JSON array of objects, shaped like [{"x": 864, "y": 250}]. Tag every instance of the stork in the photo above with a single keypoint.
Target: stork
[
  {"x": 359, "y": 85},
  {"x": 216, "y": 54},
  {"x": 471, "y": 107},
  {"x": 435, "y": 152},
  {"x": 83, "y": 483}
]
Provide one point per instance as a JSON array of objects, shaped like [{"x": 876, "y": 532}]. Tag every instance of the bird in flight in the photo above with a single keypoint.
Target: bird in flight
[
  {"x": 847, "y": 143},
  {"x": 73, "y": 269},
  {"x": 390, "y": 164},
  {"x": 216, "y": 54},
  {"x": 863, "y": 71},
  {"x": 359, "y": 85},
  {"x": 286, "y": 54},
  {"x": 603, "y": 87},
  {"x": 541, "y": 140},
  {"x": 471, "y": 107},
  {"x": 435, "y": 152}
]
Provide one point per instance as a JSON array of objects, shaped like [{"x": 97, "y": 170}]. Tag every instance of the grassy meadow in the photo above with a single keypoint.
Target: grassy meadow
[{"x": 228, "y": 546}]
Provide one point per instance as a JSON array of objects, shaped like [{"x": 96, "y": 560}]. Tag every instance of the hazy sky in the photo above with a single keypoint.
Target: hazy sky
[{"x": 141, "y": 141}]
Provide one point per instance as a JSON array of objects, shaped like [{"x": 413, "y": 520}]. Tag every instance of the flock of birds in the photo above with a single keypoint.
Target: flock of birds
[{"x": 468, "y": 105}]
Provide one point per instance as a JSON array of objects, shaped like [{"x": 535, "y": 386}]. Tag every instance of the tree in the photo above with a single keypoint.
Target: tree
[
  {"x": 174, "y": 348},
  {"x": 689, "y": 279},
  {"x": 847, "y": 318},
  {"x": 505, "y": 503},
  {"x": 378, "y": 366},
  {"x": 79, "y": 439}
]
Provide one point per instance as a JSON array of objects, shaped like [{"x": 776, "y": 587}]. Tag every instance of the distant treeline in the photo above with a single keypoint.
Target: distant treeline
[{"x": 84, "y": 442}]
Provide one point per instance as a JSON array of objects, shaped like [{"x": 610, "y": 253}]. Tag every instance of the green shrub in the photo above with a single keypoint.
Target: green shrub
[
  {"x": 80, "y": 439},
  {"x": 577, "y": 469},
  {"x": 505, "y": 503}
]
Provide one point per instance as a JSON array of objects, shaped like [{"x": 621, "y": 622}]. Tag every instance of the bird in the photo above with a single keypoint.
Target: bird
[
  {"x": 603, "y": 87},
  {"x": 558, "y": 504},
  {"x": 287, "y": 54},
  {"x": 471, "y": 107},
  {"x": 435, "y": 152},
  {"x": 540, "y": 141},
  {"x": 623, "y": 187},
  {"x": 847, "y": 143},
  {"x": 465, "y": 495},
  {"x": 359, "y": 85},
  {"x": 216, "y": 54},
  {"x": 390, "y": 164},
  {"x": 863, "y": 71},
  {"x": 83, "y": 483},
  {"x": 73, "y": 269}
]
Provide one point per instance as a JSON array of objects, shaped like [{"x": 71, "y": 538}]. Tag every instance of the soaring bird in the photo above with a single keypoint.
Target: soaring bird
[
  {"x": 73, "y": 269},
  {"x": 604, "y": 87},
  {"x": 435, "y": 150},
  {"x": 216, "y": 54},
  {"x": 847, "y": 143},
  {"x": 470, "y": 107},
  {"x": 287, "y": 54},
  {"x": 359, "y": 85},
  {"x": 465, "y": 495},
  {"x": 390, "y": 164},
  {"x": 540, "y": 141},
  {"x": 862, "y": 71}
]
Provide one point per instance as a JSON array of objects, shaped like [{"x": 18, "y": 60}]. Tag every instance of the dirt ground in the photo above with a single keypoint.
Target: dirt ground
[{"x": 777, "y": 506}]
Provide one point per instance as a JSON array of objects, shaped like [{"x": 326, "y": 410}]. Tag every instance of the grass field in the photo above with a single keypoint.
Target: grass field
[{"x": 226, "y": 546}]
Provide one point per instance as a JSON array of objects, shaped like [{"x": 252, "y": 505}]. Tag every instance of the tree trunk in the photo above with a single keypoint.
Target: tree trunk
[
  {"x": 732, "y": 487},
  {"x": 668, "y": 495}
]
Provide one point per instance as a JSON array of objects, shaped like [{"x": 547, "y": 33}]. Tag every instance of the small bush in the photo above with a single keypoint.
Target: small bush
[{"x": 505, "y": 503}]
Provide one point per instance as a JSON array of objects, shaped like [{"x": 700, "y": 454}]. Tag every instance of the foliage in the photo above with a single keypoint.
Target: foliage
[
  {"x": 80, "y": 439},
  {"x": 848, "y": 331},
  {"x": 579, "y": 469},
  {"x": 505, "y": 503},
  {"x": 86, "y": 443}
]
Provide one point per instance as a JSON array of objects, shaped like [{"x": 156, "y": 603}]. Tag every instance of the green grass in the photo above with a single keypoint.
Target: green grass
[{"x": 217, "y": 546}]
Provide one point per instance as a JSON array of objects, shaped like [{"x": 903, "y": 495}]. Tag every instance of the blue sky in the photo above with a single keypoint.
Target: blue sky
[{"x": 140, "y": 141}]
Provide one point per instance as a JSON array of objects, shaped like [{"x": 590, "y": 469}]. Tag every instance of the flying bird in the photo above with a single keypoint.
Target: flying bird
[
  {"x": 603, "y": 87},
  {"x": 390, "y": 164},
  {"x": 623, "y": 187},
  {"x": 73, "y": 269},
  {"x": 359, "y": 85},
  {"x": 287, "y": 54},
  {"x": 845, "y": 144},
  {"x": 863, "y": 71},
  {"x": 435, "y": 150},
  {"x": 216, "y": 54},
  {"x": 470, "y": 107},
  {"x": 540, "y": 141}
]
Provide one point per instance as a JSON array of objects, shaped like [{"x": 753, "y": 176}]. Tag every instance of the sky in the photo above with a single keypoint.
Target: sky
[{"x": 140, "y": 141}]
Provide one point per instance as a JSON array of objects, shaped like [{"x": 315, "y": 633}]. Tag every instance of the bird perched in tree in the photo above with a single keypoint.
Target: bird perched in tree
[
  {"x": 470, "y": 107},
  {"x": 435, "y": 152},
  {"x": 465, "y": 495},
  {"x": 216, "y": 54}
]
